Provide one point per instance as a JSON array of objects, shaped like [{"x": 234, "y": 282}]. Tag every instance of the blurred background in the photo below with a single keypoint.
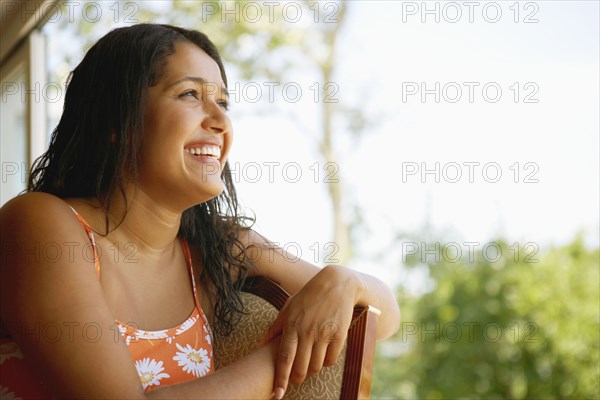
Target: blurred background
[{"x": 449, "y": 148}]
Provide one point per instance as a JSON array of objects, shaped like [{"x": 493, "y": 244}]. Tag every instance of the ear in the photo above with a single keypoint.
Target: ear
[{"x": 113, "y": 137}]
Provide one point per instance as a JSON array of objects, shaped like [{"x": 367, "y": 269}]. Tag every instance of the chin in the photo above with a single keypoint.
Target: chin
[{"x": 209, "y": 192}]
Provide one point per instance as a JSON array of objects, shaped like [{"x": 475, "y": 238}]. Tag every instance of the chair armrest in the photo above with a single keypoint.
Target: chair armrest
[{"x": 349, "y": 378}]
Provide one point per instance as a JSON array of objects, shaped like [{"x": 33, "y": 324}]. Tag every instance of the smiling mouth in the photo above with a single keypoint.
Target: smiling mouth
[{"x": 205, "y": 151}]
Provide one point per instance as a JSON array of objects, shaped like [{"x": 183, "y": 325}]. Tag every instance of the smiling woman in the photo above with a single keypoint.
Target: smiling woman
[
  {"x": 193, "y": 110},
  {"x": 136, "y": 185}
]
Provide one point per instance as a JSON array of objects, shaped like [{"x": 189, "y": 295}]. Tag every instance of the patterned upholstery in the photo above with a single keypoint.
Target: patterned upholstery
[{"x": 328, "y": 383}]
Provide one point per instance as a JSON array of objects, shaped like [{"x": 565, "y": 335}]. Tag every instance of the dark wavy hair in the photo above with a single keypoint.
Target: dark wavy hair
[{"x": 105, "y": 102}]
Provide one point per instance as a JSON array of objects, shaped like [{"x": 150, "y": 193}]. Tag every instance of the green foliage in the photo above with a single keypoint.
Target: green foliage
[
  {"x": 523, "y": 326},
  {"x": 257, "y": 41},
  {"x": 514, "y": 328}
]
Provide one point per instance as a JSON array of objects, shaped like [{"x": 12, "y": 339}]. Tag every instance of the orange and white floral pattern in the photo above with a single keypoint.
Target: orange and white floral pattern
[
  {"x": 161, "y": 358},
  {"x": 194, "y": 361},
  {"x": 150, "y": 372}
]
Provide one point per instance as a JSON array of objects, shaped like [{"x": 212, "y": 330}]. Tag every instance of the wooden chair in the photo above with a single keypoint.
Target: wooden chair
[{"x": 349, "y": 378}]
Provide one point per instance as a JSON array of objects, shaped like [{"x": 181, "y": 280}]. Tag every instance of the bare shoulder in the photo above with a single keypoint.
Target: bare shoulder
[
  {"x": 274, "y": 262},
  {"x": 48, "y": 279},
  {"x": 34, "y": 208},
  {"x": 41, "y": 241},
  {"x": 39, "y": 229},
  {"x": 257, "y": 249},
  {"x": 249, "y": 238}
]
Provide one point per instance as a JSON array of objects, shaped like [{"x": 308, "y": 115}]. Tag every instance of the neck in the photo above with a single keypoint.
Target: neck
[{"x": 148, "y": 225}]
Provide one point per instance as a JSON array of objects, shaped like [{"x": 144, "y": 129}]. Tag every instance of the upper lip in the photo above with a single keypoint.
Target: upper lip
[{"x": 200, "y": 143}]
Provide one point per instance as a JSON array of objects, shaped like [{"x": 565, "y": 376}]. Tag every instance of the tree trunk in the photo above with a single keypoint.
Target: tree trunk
[{"x": 341, "y": 227}]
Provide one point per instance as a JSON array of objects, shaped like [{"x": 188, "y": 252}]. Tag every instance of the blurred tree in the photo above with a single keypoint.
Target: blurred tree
[
  {"x": 517, "y": 325},
  {"x": 278, "y": 49},
  {"x": 268, "y": 41}
]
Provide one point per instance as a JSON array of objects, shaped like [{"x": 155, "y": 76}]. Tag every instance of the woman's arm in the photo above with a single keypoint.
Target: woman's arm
[
  {"x": 293, "y": 274},
  {"x": 316, "y": 318},
  {"x": 251, "y": 377},
  {"x": 40, "y": 290}
]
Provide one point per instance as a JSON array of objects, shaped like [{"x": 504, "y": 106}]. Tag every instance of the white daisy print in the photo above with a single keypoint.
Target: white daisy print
[
  {"x": 128, "y": 338},
  {"x": 206, "y": 325},
  {"x": 6, "y": 395},
  {"x": 150, "y": 372},
  {"x": 153, "y": 334},
  {"x": 186, "y": 325},
  {"x": 8, "y": 351},
  {"x": 169, "y": 339},
  {"x": 193, "y": 361}
]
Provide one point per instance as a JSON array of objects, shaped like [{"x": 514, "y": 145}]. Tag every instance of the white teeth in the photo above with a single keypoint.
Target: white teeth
[{"x": 212, "y": 151}]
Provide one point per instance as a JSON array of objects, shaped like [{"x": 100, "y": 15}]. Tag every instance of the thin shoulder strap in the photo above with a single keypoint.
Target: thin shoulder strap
[
  {"x": 188, "y": 260},
  {"x": 90, "y": 234}
]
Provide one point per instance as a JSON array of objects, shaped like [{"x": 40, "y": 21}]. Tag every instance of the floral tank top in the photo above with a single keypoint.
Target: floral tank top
[{"x": 161, "y": 358}]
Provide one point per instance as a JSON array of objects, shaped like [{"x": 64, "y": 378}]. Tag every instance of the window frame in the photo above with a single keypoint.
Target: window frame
[{"x": 22, "y": 49}]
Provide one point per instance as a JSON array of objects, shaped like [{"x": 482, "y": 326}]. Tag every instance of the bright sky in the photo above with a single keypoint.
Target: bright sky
[{"x": 387, "y": 56}]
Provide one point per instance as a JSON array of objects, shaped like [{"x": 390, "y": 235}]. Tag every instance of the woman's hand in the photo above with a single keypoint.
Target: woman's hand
[{"x": 314, "y": 324}]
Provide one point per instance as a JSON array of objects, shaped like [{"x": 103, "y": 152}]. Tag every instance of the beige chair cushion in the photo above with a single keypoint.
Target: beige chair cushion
[{"x": 251, "y": 329}]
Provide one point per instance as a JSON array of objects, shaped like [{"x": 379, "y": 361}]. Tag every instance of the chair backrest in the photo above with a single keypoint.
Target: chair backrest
[{"x": 349, "y": 378}]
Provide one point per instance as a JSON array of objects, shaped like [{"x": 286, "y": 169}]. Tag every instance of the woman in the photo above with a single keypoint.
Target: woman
[{"x": 131, "y": 221}]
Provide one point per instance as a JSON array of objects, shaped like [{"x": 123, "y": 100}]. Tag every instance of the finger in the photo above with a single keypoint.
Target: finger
[
  {"x": 285, "y": 359},
  {"x": 335, "y": 344},
  {"x": 303, "y": 356},
  {"x": 317, "y": 358}
]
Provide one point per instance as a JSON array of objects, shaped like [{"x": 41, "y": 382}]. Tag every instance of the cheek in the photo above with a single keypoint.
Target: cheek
[
  {"x": 166, "y": 132},
  {"x": 161, "y": 152},
  {"x": 228, "y": 143}
]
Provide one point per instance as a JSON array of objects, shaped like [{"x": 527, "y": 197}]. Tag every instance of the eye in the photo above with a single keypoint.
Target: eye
[
  {"x": 224, "y": 104},
  {"x": 190, "y": 93}
]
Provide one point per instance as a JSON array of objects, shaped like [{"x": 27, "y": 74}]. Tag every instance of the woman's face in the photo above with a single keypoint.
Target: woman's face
[{"x": 187, "y": 133}]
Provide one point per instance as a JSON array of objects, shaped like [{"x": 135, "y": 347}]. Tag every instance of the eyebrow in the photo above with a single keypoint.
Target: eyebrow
[{"x": 198, "y": 80}]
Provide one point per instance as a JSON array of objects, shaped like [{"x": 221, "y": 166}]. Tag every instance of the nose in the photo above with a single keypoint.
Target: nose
[{"x": 216, "y": 120}]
